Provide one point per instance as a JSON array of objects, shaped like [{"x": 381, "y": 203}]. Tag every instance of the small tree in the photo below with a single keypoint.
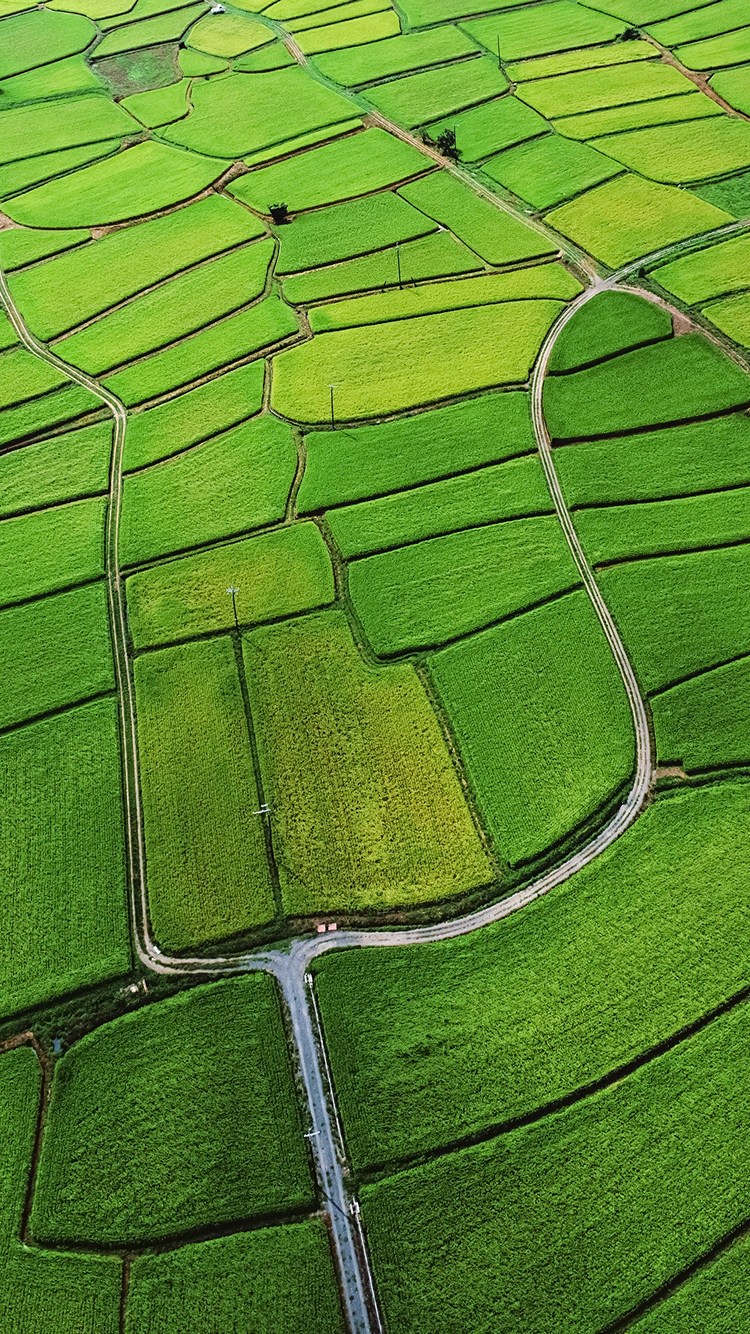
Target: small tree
[
  {"x": 446, "y": 143},
  {"x": 279, "y": 212}
]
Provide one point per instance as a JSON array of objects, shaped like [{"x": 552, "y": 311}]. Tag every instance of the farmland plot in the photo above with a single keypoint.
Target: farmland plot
[
  {"x": 182, "y": 1115},
  {"x": 275, "y": 574},
  {"x": 545, "y": 744},
  {"x": 61, "y": 857},
  {"x": 619, "y": 1193},
  {"x": 553, "y": 996},
  {"x": 265, "y": 1280},
  {"x": 208, "y": 874},
  {"x": 204, "y": 494},
  {"x": 83, "y": 1291},
  {"x": 391, "y": 456},
  {"x": 368, "y": 808},
  {"x": 419, "y": 596}
]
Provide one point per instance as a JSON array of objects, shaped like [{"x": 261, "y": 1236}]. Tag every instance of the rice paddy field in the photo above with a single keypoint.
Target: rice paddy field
[{"x": 375, "y": 660}]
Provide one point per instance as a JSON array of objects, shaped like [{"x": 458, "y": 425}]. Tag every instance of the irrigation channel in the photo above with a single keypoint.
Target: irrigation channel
[{"x": 290, "y": 964}]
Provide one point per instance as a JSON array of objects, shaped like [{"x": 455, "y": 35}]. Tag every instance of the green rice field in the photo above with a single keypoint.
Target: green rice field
[{"x": 375, "y": 662}]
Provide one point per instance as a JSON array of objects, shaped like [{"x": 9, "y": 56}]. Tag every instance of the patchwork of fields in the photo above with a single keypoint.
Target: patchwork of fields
[{"x": 374, "y": 532}]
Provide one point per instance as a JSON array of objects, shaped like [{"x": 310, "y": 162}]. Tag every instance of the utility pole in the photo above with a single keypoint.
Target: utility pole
[{"x": 232, "y": 591}]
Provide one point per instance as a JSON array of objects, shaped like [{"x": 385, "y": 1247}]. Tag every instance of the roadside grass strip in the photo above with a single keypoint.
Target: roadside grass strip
[
  {"x": 538, "y": 30},
  {"x": 211, "y": 349},
  {"x": 232, "y": 483},
  {"x": 505, "y": 491},
  {"x": 347, "y": 167},
  {"x": 19, "y": 246},
  {"x": 54, "y": 651},
  {"x": 385, "y": 368},
  {"x": 185, "y": 420},
  {"x": 629, "y": 216},
  {"x": 670, "y": 381},
  {"x": 549, "y": 170},
  {"x": 207, "y": 874},
  {"x": 619, "y": 1194},
  {"x": 540, "y": 280},
  {"x": 39, "y": 415},
  {"x": 244, "y": 113},
  {"x": 61, "y": 124},
  {"x": 368, "y": 808},
  {"x": 553, "y": 996},
  {"x": 637, "y": 115},
  {"x": 541, "y": 722},
  {"x": 413, "y": 99},
  {"x": 67, "y": 542},
  {"x": 36, "y": 39},
  {"x": 350, "y": 465},
  {"x": 681, "y": 614},
  {"x": 613, "y": 322},
  {"x": 181, "y": 306},
  {"x": 649, "y": 528},
  {"x": 689, "y": 152},
  {"x": 590, "y": 90},
  {"x": 490, "y": 127},
  {"x": 140, "y": 180},
  {"x": 64, "y": 904},
  {"x": 276, "y": 574},
  {"x": 394, "y": 55},
  {"x": 349, "y": 229},
  {"x": 265, "y": 1280},
  {"x": 704, "y": 723},
  {"x": 419, "y": 596},
  {"x": 79, "y": 1293},
  {"x": 716, "y": 271},
  {"x": 677, "y": 460},
  {"x": 494, "y": 235},
  {"x": 79, "y": 284},
  {"x": 183, "y": 1116},
  {"x": 438, "y": 255},
  {"x": 64, "y": 467}
]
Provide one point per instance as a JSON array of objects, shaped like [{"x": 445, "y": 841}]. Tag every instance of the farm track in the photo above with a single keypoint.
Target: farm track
[{"x": 290, "y": 966}]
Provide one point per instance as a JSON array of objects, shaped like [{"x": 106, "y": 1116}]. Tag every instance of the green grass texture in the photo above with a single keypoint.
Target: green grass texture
[
  {"x": 66, "y": 912},
  {"x": 272, "y": 1279},
  {"x": 183, "y": 1115},
  {"x": 422, "y": 595},
  {"x": 276, "y": 574},
  {"x": 196, "y": 415},
  {"x": 208, "y": 877},
  {"x": 619, "y": 1194},
  {"x": 230, "y": 484},
  {"x": 613, "y": 322},
  {"x": 67, "y": 542},
  {"x": 553, "y": 997},
  {"x": 374, "y": 460},
  {"x": 74, "y": 1294},
  {"x": 368, "y": 809},
  {"x": 61, "y": 468},
  {"x": 704, "y": 723}
]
